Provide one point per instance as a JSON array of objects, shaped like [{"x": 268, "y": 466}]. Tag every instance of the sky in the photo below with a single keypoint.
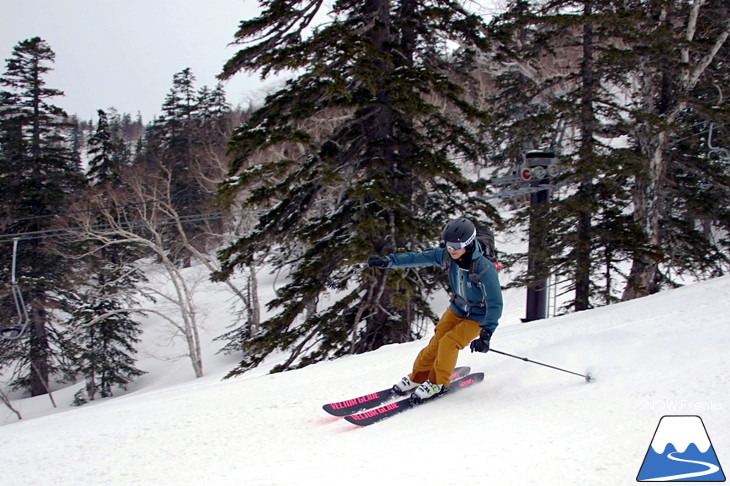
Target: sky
[{"x": 123, "y": 54}]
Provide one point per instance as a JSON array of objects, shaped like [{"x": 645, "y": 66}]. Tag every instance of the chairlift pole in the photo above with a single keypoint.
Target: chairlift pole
[
  {"x": 536, "y": 306},
  {"x": 535, "y": 177},
  {"x": 13, "y": 280},
  {"x": 537, "y": 163}
]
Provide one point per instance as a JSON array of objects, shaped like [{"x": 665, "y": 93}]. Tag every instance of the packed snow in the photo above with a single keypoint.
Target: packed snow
[{"x": 525, "y": 424}]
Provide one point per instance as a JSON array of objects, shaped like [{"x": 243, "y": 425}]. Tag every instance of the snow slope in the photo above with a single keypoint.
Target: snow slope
[{"x": 661, "y": 355}]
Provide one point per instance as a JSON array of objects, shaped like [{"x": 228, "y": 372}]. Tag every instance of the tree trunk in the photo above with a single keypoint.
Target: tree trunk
[
  {"x": 648, "y": 209},
  {"x": 38, "y": 358},
  {"x": 584, "y": 230},
  {"x": 254, "y": 307}
]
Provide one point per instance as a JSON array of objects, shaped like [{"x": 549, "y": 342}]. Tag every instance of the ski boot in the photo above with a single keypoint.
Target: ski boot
[
  {"x": 404, "y": 386},
  {"x": 428, "y": 391}
]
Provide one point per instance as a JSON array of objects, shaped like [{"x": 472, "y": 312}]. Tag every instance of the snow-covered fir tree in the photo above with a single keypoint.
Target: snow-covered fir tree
[
  {"x": 39, "y": 172},
  {"x": 102, "y": 337},
  {"x": 100, "y": 344},
  {"x": 356, "y": 155},
  {"x": 179, "y": 141},
  {"x": 108, "y": 152}
]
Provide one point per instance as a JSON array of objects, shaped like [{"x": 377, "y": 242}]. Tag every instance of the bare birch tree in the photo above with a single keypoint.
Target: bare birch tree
[
  {"x": 661, "y": 97},
  {"x": 142, "y": 213}
]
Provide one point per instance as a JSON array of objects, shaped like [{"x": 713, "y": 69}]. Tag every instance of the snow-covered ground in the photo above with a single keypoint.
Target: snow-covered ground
[{"x": 661, "y": 355}]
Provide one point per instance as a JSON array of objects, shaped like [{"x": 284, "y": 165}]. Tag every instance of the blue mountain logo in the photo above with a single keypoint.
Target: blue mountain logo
[{"x": 681, "y": 451}]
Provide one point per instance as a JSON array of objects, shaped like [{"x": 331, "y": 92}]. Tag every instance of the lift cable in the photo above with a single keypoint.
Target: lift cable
[{"x": 7, "y": 222}]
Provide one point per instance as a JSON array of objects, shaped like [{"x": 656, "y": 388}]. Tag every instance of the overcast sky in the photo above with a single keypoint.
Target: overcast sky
[{"x": 123, "y": 53}]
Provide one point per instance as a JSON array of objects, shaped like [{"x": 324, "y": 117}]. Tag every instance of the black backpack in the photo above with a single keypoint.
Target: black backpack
[{"x": 485, "y": 237}]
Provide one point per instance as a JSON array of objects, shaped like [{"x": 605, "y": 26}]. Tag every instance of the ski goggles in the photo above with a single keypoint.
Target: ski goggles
[{"x": 461, "y": 244}]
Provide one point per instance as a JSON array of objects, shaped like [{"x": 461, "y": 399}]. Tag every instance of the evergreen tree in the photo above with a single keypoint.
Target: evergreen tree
[
  {"x": 108, "y": 152},
  {"x": 577, "y": 63},
  {"x": 103, "y": 337},
  {"x": 217, "y": 106},
  {"x": 356, "y": 155},
  {"x": 176, "y": 141},
  {"x": 39, "y": 171},
  {"x": 559, "y": 95},
  {"x": 213, "y": 116}
]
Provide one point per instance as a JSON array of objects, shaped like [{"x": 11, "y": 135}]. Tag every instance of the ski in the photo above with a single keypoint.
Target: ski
[
  {"x": 373, "y": 400},
  {"x": 370, "y": 417}
]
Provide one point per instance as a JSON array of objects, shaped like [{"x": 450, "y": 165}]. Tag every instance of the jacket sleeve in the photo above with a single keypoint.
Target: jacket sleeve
[
  {"x": 493, "y": 300},
  {"x": 429, "y": 258}
]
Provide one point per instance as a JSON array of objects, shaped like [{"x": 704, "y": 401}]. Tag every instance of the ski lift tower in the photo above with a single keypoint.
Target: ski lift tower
[
  {"x": 534, "y": 176},
  {"x": 538, "y": 169}
]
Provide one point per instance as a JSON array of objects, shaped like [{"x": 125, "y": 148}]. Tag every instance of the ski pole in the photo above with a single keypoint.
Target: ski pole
[{"x": 587, "y": 376}]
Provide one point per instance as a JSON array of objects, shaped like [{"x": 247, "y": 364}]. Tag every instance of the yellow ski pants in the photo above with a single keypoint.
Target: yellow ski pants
[{"x": 437, "y": 360}]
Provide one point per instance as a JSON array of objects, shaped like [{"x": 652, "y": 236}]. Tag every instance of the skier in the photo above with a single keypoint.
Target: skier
[{"x": 473, "y": 315}]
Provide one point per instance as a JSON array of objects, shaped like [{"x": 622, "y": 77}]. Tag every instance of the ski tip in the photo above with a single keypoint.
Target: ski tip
[
  {"x": 353, "y": 421},
  {"x": 330, "y": 410}
]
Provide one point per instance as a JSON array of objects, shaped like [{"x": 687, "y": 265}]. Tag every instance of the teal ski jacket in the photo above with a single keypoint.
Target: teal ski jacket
[{"x": 481, "y": 302}]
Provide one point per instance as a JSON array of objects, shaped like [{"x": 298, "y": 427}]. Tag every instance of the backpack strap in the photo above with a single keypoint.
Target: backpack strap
[
  {"x": 459, "y": 300},
  {"x": 474, "y": 273}
]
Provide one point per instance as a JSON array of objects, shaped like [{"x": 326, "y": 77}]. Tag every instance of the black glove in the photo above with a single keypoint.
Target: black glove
[
  {"x": 481, "y": 344},
  {"x": 376, "y": 261}
]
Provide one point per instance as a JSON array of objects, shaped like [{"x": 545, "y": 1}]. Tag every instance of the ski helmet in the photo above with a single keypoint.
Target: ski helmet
[{"x": 459, "y": 234}]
